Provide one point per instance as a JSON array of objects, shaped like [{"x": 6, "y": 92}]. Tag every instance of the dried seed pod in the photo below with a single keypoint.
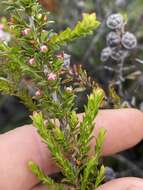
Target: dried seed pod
[
  {"x": 113, "y": 39},
  {"x": 105, "y": 54},
  {"x": 109, "y": 174},
  {"x": 129, "y": 41},
  {"x": 118, "y": 54},
  {"x": 115, "y": 21}
]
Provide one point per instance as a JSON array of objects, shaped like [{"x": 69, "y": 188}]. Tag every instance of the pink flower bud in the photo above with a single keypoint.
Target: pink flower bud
[
  {"x": 52, "y": 76},
  {"x": 26, "y": 31},
  {"x": 31, "y": 61},
  {"x": 1, "y": 26},
  {"x": 44, "y": 48},
  {"x": 38, "y": 93}
]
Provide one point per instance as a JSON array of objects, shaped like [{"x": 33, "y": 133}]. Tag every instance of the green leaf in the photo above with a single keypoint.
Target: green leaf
[
  {"x": 90, "y": 167},
  {"x": 83, "y": 28},
  {"x": 64, "y": 164},
  {"x": 99, "y": 141},
  {"x": 87, "y": 125},
  {"x": 5, "y": 86},
  {"x": 100, "y": 176},
  {"x": 49, "y": 182}
]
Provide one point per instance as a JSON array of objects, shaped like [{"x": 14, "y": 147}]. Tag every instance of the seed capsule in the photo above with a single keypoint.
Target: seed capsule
[
  {"x": 129, "y": 41},
  {"x": 115, "y": 21},
  {"x": 105, "y": 54},
  {"x": 118, "y": 54},
  {"x": 113, "y": 39}
]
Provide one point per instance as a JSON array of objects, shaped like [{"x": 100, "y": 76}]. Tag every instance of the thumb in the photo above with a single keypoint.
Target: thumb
[{"x": 128, "y": 183}]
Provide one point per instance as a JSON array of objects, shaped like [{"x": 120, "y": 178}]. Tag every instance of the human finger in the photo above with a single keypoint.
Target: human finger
[
  {"x": 17, "y": 147},
  {"x": 124, "y": 129},
  {"x": 128, "y": 183}
]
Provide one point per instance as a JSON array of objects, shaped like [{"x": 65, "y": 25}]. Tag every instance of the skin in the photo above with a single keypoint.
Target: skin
[{"x": 124, "y": 129}]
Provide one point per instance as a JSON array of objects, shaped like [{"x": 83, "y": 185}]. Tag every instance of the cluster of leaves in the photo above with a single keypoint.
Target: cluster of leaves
[
  {"x": 32, "y": 71},
  {"x": 79, "y": 171}
]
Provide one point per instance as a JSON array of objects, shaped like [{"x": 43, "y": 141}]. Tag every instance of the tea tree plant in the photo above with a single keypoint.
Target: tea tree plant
[{"x": 34, "y": 69}]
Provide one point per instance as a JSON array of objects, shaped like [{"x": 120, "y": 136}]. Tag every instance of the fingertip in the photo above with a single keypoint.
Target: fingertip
[{"x": 128, "y": 183}]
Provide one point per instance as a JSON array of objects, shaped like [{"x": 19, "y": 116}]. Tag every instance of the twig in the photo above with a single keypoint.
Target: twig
[{"x": 120, "y": 77}]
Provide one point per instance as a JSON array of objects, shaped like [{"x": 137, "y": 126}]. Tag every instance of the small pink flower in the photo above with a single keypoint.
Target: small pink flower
[
  {"x": 44, "y": 48},
  {"x": 1, "y": 26},
  {"x": 38, "y": 93},
  {"x": 31, "y": 61},
  {"x": 26, "y": 31},
  {"x": 52, "y": 76}
]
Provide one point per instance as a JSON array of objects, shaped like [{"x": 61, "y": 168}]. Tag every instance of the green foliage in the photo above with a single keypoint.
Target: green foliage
[
  {"x": 5, "y": 86},
  {"x": 44, "y": 178},
  {"x": 87, "y": 126},
  {"x": 83, "y": 172},
  {"x": 40, "y": 79},
  {"x": 83, "y": 28}
]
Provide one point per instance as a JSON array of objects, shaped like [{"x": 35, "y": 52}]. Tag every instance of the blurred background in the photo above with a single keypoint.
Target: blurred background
[{"x": 86, "y": 52}]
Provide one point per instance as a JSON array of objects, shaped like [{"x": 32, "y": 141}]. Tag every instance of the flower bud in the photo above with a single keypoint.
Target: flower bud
[
  {"x": 115, "y": 21},
  {"x": 38, "y": 93},
  {"x": 32, "y": 61},
  {"x": 113, "y": 39},
  {"x": 105, "y": 54},
  {"x": 26, "y": 31},
  {"x": 44, "y": 48},
  {"x": 39, "y": 16},
  {"x": 129, "y": 41}
]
